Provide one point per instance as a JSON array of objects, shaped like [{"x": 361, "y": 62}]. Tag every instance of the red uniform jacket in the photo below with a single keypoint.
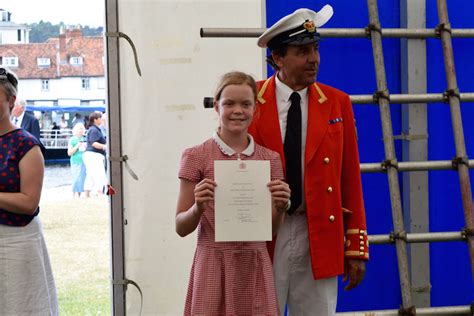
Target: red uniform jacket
[{"x": 332, "y": 185}]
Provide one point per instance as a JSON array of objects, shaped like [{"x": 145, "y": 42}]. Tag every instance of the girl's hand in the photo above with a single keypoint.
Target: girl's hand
[
  {"x": 280, "y": 191},
  {"x": 203, "y": 193}
]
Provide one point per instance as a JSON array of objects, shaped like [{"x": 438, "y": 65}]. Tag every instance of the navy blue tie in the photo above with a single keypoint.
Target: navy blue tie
[{"x": 292, "y": 148}]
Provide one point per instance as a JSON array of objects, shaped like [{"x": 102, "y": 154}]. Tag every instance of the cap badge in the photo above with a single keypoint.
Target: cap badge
[{"x": 309, "y": 26}]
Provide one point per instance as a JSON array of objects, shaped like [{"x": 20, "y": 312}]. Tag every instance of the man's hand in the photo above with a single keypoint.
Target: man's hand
[{"x": 354, "y": 270}]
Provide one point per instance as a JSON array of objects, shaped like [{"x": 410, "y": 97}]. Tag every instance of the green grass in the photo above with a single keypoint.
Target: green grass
[{"x": 78, "y": 240}]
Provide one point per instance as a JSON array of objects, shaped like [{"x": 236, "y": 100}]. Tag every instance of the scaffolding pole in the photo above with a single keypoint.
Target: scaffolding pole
[
  {"x": 451, "y": 310},
  {"x": 394, "y": 98},
  {"x": 413, "y": 166},
  {"x": 411, "y": 98},
  {"x": 461, "y": 156},
  {"x": 338, "y": 33},
  {"x": 418, "y": 237},
  {"x": 390, "y": 158}
]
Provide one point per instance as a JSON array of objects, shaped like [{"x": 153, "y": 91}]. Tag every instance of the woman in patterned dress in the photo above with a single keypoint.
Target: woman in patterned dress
[
  {"x": 228, "y": 278},
  {"x": 26, "y": 280}
]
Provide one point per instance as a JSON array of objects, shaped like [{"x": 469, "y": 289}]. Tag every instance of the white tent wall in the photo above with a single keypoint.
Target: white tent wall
[{"x": 161, "y": 114}]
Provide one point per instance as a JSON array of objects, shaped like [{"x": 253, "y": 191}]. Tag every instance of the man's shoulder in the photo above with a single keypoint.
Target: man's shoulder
[{"x": 29, "y": 116}]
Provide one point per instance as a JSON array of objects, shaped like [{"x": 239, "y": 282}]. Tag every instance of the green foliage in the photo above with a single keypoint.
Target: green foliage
[{"x": 42, "y": 31}]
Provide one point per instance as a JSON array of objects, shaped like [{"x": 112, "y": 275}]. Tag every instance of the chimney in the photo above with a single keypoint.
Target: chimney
[
  {"x": 75, "y": 32},
  {"x": 62, "y": 44}
]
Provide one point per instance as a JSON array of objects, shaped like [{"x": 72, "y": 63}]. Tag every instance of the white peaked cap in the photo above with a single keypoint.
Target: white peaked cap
[{"x": 297, "y": 28}]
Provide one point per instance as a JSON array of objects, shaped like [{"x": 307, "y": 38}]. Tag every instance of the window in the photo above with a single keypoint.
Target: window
[
  {"x": 86, "y": 84},
  {"x": 44, "y": 62},
  {"x": 75, "y": 60},
  {"x": 19, "y": 35},
  {"x": 44, "y": 85},
  {"x": 5, "y": 16},
  {"x": 10, "y": 61}
]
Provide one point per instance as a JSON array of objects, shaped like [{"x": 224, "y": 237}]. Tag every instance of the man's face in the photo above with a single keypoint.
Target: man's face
[
  {"x": 17, "y": 110},
  {"x": 299, "y": 67}
]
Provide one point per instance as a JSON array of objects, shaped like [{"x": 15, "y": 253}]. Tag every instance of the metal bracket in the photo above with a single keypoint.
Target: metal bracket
[
  {"x": 410, "y": 137},
  {"x": 442, "y": 27},
  {"x": 456, "y": 161},
  {"x": 389, "y": 163},
  {"x": 451, "y": 93},
  {"x": 381, "y": 94},
  {"x": 372, "y": 27},
  {"x": 129, "y": 40},
  {"x": 126, "y": 282},
  {"x": 398, "y": 235},
  {"x": 124, "y": 159},
  {"x": 409, "y": 311}
]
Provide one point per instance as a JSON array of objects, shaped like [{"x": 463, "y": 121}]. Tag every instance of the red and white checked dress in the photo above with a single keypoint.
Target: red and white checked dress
[{"x": 227, "y": 278}]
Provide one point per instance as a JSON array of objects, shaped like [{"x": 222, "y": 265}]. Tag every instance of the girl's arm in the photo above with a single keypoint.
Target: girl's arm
[
  {"x": 280, "y": 202},
  {"x": 193, "y": 200},
  {"x": 31, "y": 178}
]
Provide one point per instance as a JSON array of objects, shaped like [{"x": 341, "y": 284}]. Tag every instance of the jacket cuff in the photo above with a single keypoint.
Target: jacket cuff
[{"x": 357, "y": 244}]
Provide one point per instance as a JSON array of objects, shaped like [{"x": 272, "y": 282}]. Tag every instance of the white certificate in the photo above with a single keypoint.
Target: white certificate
[{"x": 243, "y": 204}]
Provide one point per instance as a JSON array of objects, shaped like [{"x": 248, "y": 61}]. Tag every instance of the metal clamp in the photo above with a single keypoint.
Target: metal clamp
[
  {"x": 381, "y": 94},
  {"x": 372, "y": 27},
  {"x": 398, "y": 235},
  {"x": 456, "y": 161},
  {"x": 451, "y": 93},
  {"x": 124, "y": 159},
  {"x": 442, "y": 27},
  {"x": 467, "y": 232},
  {"x": 389, "y": 163},
  {"x": 409, "y": 311},
  {"x": 129, "y": 40},
  {"x": 126, "y": 282}
]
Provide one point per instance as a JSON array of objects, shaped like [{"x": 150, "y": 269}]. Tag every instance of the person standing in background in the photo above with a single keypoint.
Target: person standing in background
[
  {"x": 94, "y": 157},
  {"x": 76, "y": 147},
  {"x": 25, "y": 120}
]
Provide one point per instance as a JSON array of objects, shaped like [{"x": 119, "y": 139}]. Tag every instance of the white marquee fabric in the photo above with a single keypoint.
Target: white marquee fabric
[{"x": 162, "y": 113}]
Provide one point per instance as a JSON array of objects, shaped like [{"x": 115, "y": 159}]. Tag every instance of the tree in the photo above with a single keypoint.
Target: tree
[{"x": 42, "y": 31}]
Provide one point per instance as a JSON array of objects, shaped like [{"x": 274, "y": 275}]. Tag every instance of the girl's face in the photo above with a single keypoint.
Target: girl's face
[{"x": 235, "y": 108}]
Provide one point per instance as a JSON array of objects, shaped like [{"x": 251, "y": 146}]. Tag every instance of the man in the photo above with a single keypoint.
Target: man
[
  {"x": 25, "y": 120},
  {"x": 312, "y": 126}
]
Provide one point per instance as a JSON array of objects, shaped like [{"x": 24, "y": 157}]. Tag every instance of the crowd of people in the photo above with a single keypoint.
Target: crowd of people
[{"x": 306, "y": 131}]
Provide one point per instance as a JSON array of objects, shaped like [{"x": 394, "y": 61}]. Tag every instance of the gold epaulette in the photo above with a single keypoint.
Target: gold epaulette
[
  {"x": 260, "y": 98},
  {"x": 322, "y": 96}
]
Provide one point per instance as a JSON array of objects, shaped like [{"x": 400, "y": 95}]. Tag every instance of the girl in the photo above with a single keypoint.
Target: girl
[
  {"x": 228, "y": 278},
  {"x": 26, "y": 280}
]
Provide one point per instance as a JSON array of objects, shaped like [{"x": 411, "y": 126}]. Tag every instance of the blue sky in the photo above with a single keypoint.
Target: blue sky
[{"x": 84, "y": 12}]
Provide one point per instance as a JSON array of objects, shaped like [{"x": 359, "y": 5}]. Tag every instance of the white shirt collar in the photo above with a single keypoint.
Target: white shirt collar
[
  {"x": 226, "y": 150},
  {"x": 19, "y": 119},
  {"x": 285, "y": 92}
]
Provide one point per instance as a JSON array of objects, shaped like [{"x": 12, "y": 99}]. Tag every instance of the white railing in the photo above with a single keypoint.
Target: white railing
[{"x": 55, "y": 138}]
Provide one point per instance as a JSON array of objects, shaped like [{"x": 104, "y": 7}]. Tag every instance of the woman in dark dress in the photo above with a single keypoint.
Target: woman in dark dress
[{"x": 26, "y": 280}]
